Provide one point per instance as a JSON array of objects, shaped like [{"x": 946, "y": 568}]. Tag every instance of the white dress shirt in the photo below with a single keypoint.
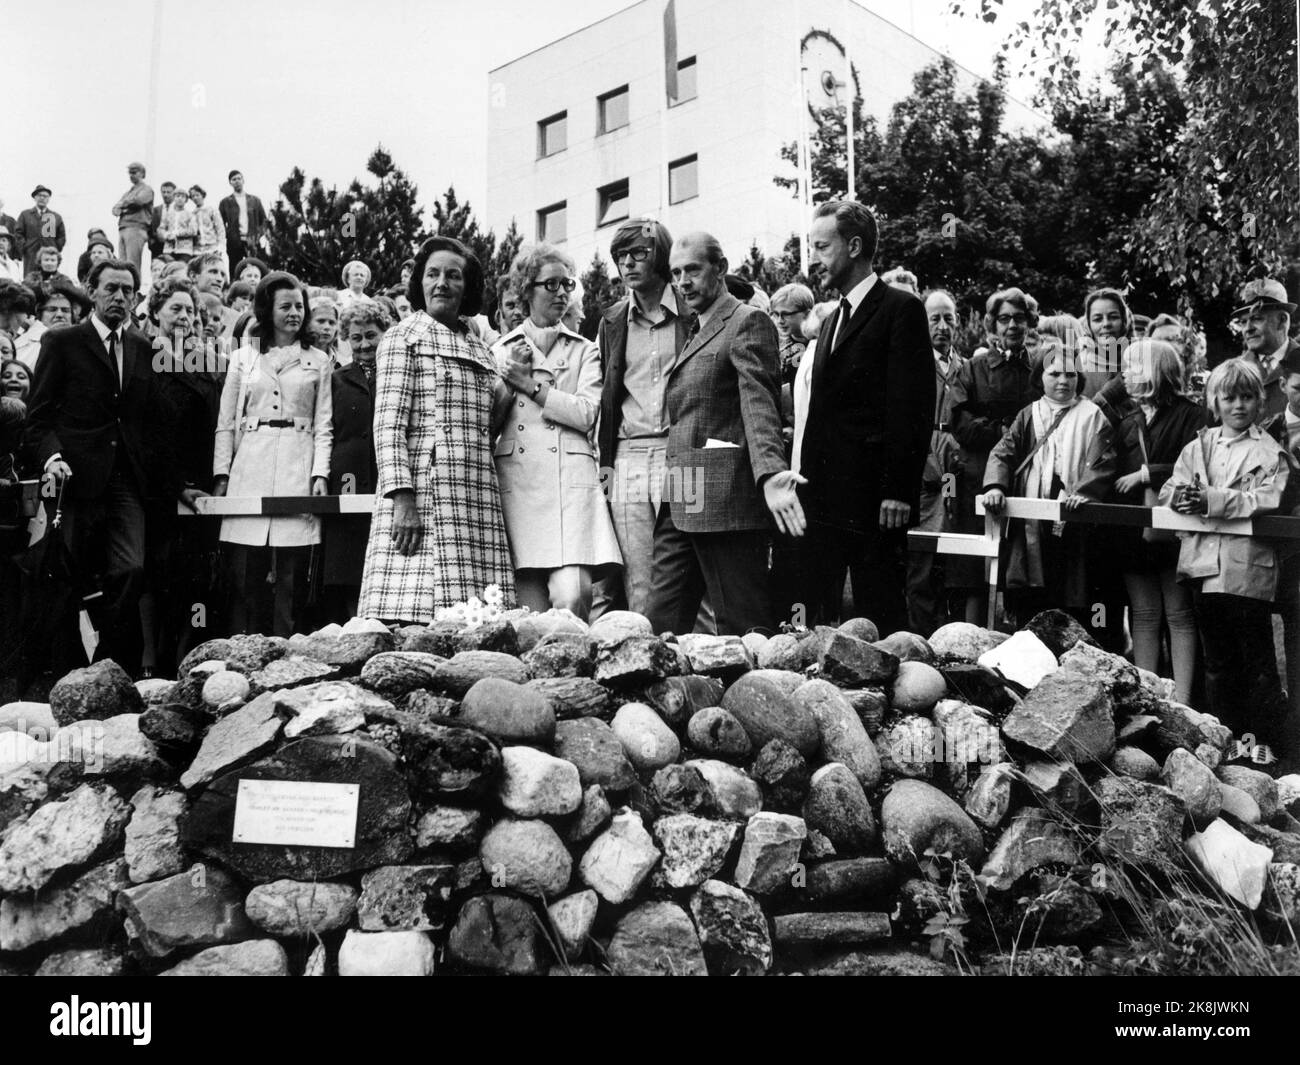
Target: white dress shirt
[{"x": 855, "y": 296}]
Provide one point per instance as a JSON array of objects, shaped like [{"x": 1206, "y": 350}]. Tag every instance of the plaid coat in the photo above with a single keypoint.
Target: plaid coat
[{"x": 433, "y": 410}]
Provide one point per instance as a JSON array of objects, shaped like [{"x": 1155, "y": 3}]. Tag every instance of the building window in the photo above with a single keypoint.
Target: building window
[
  {"x": 683, "y": 179},
  {"x": 611, "y": 204},
  {"x": 613, "y": 110},
  {"x": 552, "y": 134},
  {"x": 552, "y": 223},
  {"x": 685, "y": 82}
]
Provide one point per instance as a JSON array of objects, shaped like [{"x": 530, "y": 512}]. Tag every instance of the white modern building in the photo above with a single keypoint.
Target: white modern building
[{"x": 582, "y": 132}]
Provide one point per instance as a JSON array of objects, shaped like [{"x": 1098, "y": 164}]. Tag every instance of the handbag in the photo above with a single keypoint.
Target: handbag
[{"x": 1151, "y": 498}]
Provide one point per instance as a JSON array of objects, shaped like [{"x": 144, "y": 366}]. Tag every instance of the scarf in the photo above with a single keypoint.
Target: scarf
[
  {"x": 543, "y": 338},
  {"x": 1064, "y": 455},
  {"x": 367, "y": 368}
]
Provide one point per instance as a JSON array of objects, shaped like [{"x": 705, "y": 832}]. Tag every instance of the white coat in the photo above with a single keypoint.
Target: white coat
[
  {"x": 282, "y": 383},
  {"x": 555, "y": 508}
]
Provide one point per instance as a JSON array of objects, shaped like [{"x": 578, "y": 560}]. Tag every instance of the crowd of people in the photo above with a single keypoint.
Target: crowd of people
[{"x": 718, "y": 458}]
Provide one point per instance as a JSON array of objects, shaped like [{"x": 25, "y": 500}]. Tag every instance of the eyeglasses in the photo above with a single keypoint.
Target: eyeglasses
[
  {"x": 1009, "y": 319},
  {"x": 554, "y": 284},
  {"x": 637, "y": 255}
]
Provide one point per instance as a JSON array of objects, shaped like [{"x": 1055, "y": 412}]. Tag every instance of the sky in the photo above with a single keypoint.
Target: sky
[{"x": 264, "y": 85}]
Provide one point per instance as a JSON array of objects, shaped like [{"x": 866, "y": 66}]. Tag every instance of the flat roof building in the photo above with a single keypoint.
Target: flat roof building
[{"x": 581, "y": 133}]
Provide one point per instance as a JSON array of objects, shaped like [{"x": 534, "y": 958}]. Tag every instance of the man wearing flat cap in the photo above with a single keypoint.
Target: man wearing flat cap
[
  {"x": 1264, "y": 321},
  {"x": 38, "y": 227},
  {"x": 134, "y": 212}
]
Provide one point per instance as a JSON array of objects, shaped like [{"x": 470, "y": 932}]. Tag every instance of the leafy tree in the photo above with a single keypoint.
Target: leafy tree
[
  {"x": 599, "y": 293},
  {"x": 507, "y": 248},
  {"x": 314, "y": 231},
  {"x": 1226, "y": 205}
]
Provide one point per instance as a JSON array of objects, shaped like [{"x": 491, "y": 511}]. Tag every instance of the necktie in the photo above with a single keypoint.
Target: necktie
[
  {"x": 1266, "y": 364},
  {"x": 841, "y": 320},
  {"x": 112, "y": 354}
]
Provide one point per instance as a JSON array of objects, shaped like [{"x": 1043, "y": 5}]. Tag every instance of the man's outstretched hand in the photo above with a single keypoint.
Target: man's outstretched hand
[{"x": 782, "y": 498}]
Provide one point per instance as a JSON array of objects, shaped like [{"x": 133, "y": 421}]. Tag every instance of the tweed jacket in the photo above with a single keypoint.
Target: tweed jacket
[
  {"x": 434, "y": 393},
  {"x": 725, "y": 387}
]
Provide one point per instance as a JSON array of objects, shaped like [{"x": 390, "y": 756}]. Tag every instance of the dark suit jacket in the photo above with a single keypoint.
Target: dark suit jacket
[
  {"x": 1274, "y": 397},
  {"x": 725, "y": 386},
  {"x": 870, "y": 411},
  {"x": 78, "y": 410},
  {"x": 611, "y": 338},
  {"x": 229, "y": 211},
  {"x": 28, "y": 236},
  {"x": 354, "y": 440}
]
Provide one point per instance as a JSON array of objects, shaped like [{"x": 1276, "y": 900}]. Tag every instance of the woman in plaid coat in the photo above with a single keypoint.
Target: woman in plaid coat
[{"x": 438, "y": 536}]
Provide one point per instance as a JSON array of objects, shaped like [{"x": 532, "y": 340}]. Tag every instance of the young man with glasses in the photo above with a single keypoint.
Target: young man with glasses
[{"x": 640, "y": 338}]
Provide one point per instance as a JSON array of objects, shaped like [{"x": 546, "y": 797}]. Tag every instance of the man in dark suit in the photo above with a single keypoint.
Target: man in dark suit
[
  {"x": 36, "y": 228},
  {"x": 244, "y": 217},
  {"x": 640, "y": 339},
  {"x": 870, "y": 415},
  {"x": 726, "y": 477},
  {"x": 94, "y": 426}
]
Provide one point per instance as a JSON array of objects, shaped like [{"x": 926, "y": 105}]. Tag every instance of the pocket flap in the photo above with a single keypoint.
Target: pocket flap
[{"x": 505, "y": 446}]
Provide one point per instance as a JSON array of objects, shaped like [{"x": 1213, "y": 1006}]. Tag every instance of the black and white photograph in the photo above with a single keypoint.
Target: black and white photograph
[{"x": 658, "y": 488}]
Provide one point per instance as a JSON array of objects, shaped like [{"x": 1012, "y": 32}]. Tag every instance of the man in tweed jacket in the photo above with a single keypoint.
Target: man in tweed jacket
[{"x": 726, "y": 468}]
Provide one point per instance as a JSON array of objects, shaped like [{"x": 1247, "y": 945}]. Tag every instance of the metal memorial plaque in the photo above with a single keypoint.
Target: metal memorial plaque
[{"x": 296, "y": 813}]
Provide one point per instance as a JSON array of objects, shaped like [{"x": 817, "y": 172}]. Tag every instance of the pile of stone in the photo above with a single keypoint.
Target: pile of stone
[{"x": 535, "y": 795}]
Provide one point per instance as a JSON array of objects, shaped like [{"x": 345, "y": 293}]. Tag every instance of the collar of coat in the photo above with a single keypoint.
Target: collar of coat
[{"x": 470, "y": 348}]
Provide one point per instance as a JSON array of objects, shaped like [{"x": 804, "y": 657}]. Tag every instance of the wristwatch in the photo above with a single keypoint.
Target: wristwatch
[{"x": 536, "y": 388}]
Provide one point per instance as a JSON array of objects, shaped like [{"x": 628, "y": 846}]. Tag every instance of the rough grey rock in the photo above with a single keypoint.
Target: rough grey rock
[
  {"x": 466, "y": 668},
  {"x": 100, "y": 690},
  {"x": 770, "y": 852},
  {"x": 960, "y": 641},
  {"x": 572, "y": 697},
  {"x": 716, "y": 656},
  {"x": 735, "y": 795},
  {"x": 76, "y": 907},
  {"x": 1067, "y": 717},
  {"x": 851, "y": 662},
  {"x": 1141, "y": 823},
  {"x": 1259, "y": 786},
  {"x": 732, "y": 930},
  {"x": 909, "y": 747},
  {"x": 61, "y": 836},
  {"x": 647, "y": 741},
  {"x": 572, "y": 917},
  {"x": 851, "y": 880},
  {"x": 526, "y": 856},
  {"x": 844, "y": 739},
  {"x": 394, "y": 674},
  {"x": 694, "y": 848},
  {"x": 619, "y": 859},
  {"x": 717, "y": 733},
  {"x": 837, "y": 807},
  {"x": 296, "y": 908},
  {"x": 1135, "y": 763},
  {"x": 634, "y": 660},
  {"x": 795, "y": 930},
  {"x": 1032, "y": 839},
  {"x": 333, "y": 706},
  {"x": 656, "y": 939},
  {"x": 594, "y": 748},
  {"x": 153, "y": 835},
  {"x": 677, "y": 699},
  {"x": 768, "y": 712},
  {"x": 592, "y": 815},
  {"x": 257, "y": 957},
  {"x": 292, "y": 671},
  {"x": 238, "y": 738},
  {"x": 783, "y": 775},
  {"x": 200, "y": 907},
  {"x": 95, "y": 961},
  {"x": 405, "y": 898},
  {"x": 536, "y": 784},
  {"x": 1194, "y": 783},
  {"x": 451, "y": 827},
  {"x": 989, "y": 798}
]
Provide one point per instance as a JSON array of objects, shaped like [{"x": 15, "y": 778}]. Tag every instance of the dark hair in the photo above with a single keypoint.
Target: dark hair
[
  {"x": 1050, "y": 348},
  {"x": 250, "y": 261},
  {"x": 472, "y": 303},
  {"x": 47, "y": 290},
  {"x": 503, "y": 286},
  {"x": 167, "y": 185},
  {"x": 1113, "y": 295},
  {"x": 661, "y": 243},
  {"x": 263, "y": 299},
  {"x": 241, "y": 325},
  {"x": 236, "y": 290},
  {"x": 160, "y": 294},
  {"x": 1017, "y": 298},
  {"x": 92, "y": 278},
  {"x": 231, "y": 175},
  {"x": 393, "y": 291},
  {"x": 196, "y": 264},
  {"x": 199, "y": 189},
  {"x": 739, "y": 287},
  {"x": 386, "y": 302},
  {"x": 853, "y": 219},
  {"x": 15, "y": 296},
  {"x": 18, "y": 362}
]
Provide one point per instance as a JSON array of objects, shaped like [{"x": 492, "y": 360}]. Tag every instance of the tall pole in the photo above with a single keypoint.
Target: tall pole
[
  {"x": 848, "y": 105},
  {"x": 805, "y": 169},
  {"x": 151, "y": 119}
]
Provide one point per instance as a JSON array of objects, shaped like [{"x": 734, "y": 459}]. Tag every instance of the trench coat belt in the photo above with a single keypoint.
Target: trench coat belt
[{"x": 253, "y": 424}]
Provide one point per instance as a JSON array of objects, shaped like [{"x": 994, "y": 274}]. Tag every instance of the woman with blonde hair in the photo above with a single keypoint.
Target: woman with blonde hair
[
  {"x": 1155, "y": 422},
  {"x": 557, "y": 519},
  {"x": 356, "y": 279}
]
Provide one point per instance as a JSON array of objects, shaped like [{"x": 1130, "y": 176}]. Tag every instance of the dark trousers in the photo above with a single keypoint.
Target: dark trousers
[
  {"x": 107, "y": 539},
  {"x": 1241, "y": 679},
  {"x": 876, "y": 562},
  {"x": 730, "y": 566},
  {"x": 257, "y": 607},
  {"x": 1288, "y": 605}
]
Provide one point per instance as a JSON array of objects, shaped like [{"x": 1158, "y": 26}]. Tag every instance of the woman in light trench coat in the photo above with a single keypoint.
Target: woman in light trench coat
[
  {"x": 274, "y": 436},
  {"x": 557, "y": 517}
]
